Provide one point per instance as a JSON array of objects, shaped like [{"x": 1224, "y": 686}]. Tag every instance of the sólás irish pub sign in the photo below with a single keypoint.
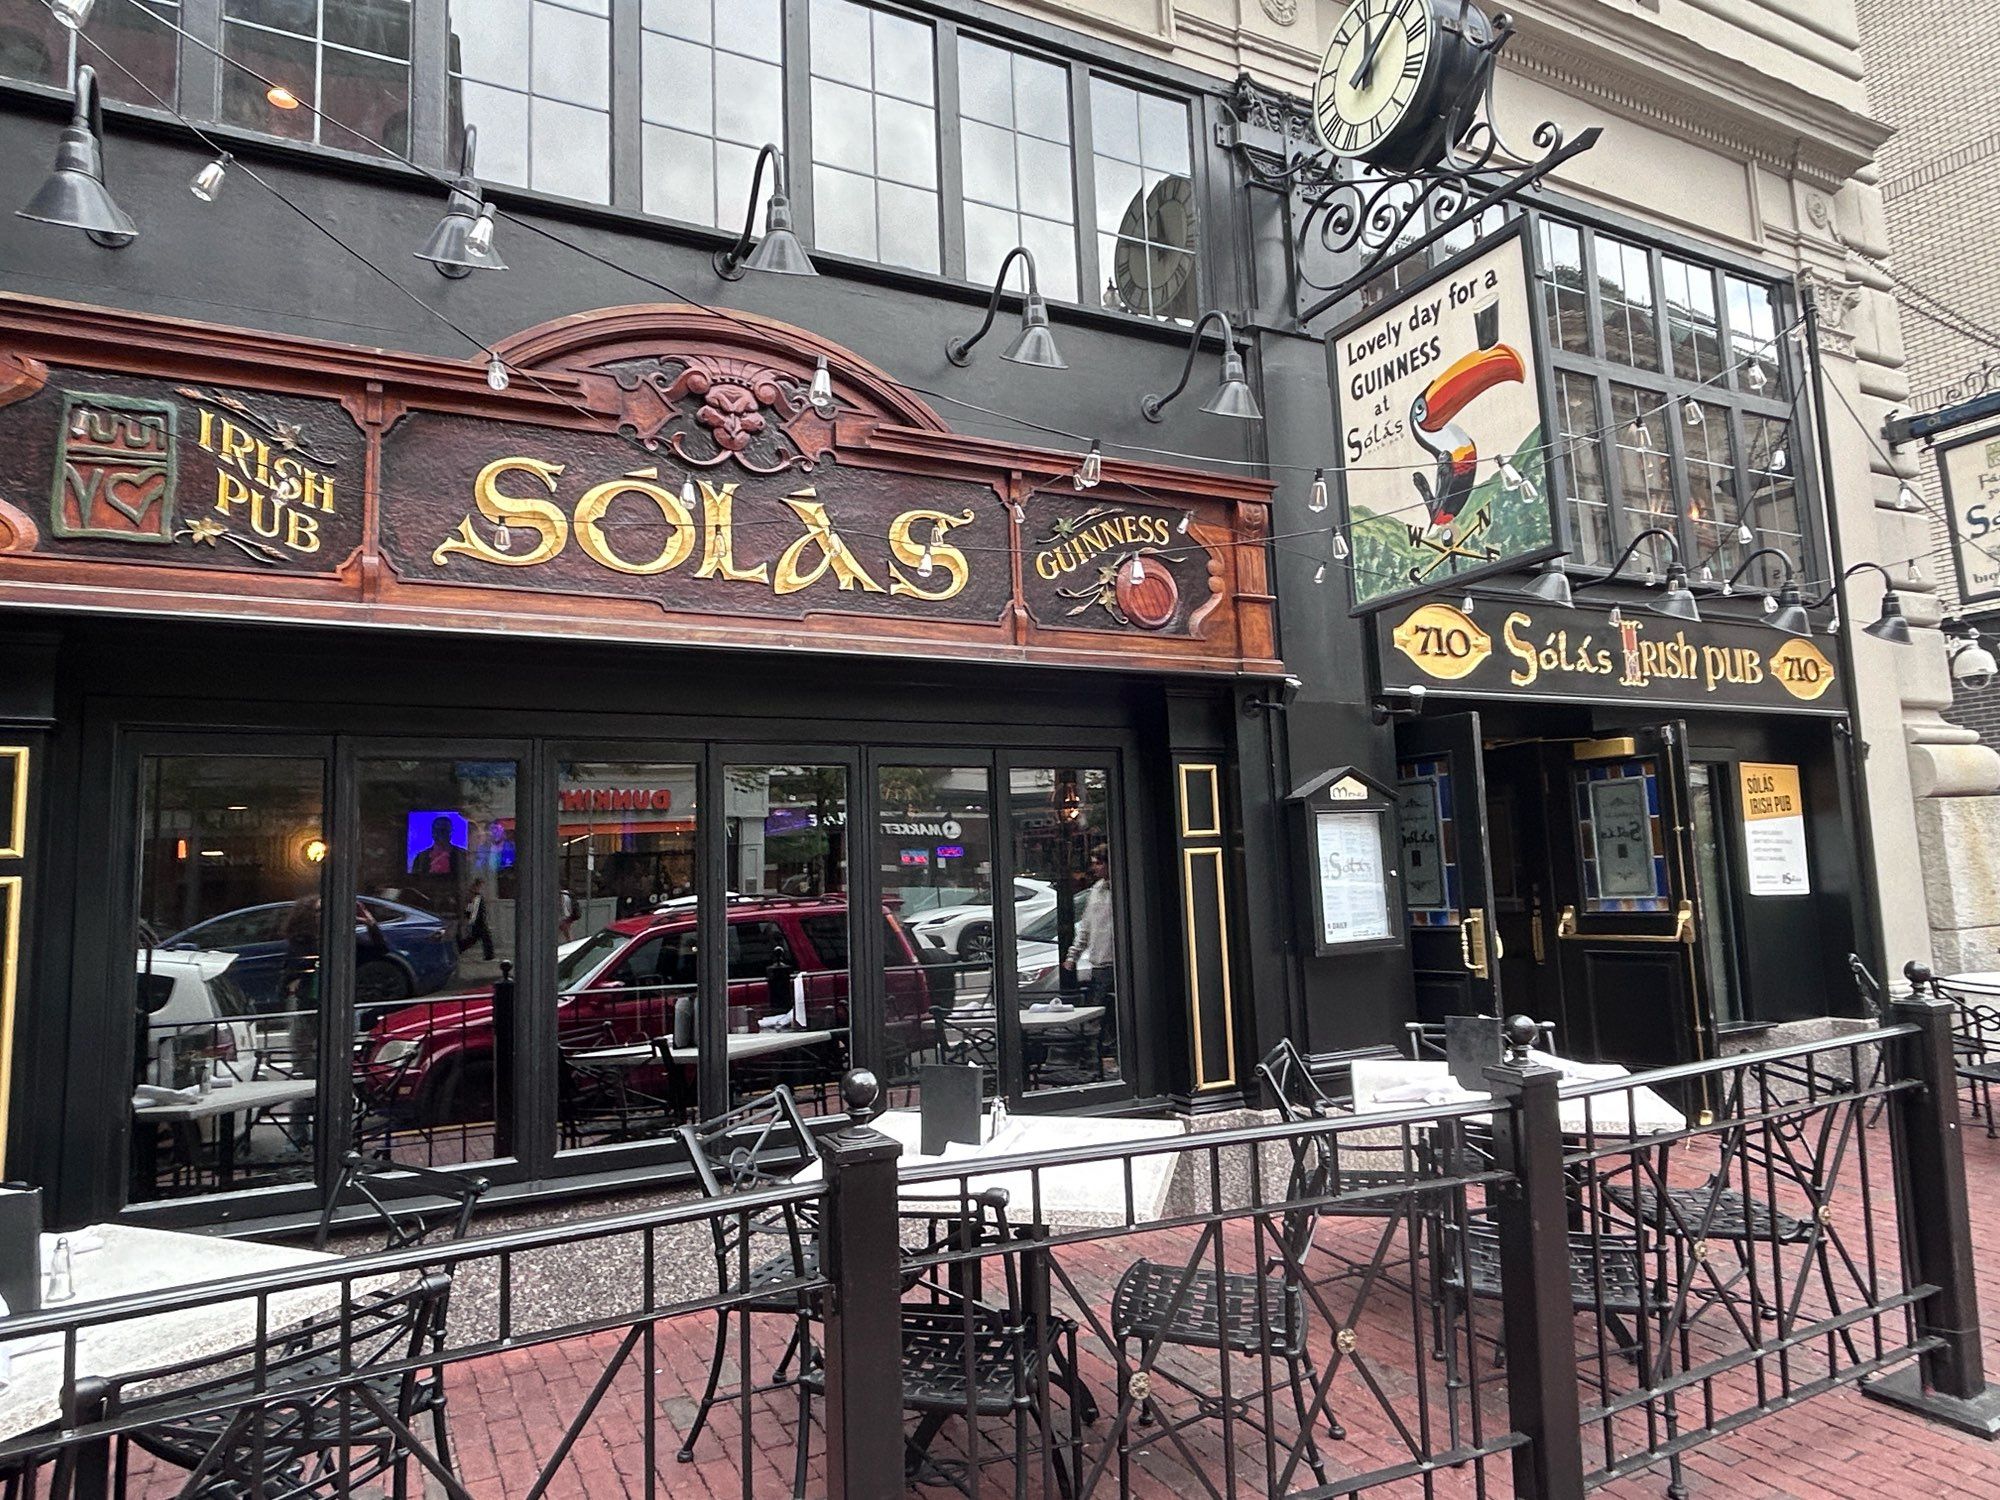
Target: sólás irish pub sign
[{"x": 1574, "y": 655}]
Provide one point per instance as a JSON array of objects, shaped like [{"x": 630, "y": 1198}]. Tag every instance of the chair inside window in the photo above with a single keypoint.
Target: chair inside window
[
  {"x": 760, "y": 1144},
  {"x": 314, "y": 1414}
]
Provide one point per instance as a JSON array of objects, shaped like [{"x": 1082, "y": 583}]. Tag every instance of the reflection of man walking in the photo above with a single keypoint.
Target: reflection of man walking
[
  {"x": 473, "y": 928},
  {"x": 1096, "y": 939}
]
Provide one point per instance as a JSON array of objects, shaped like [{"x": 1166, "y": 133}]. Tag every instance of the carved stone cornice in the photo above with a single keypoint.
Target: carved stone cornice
[{"x": 1837, "y": 298}]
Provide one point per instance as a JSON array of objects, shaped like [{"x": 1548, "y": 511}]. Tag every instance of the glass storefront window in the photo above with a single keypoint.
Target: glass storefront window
[
  {"x": 226, "y": 1020},
  {"x": 535, "y": 77},
  {"x": 351, "y": 61},
  {"x": 1066, "y": 951},
  {"x": 874, "y": 135},
  {"x": 711, "y": 94},
  {"x": 788, "y": 982},
  {"x": 1147, "y": 226},
  {"x": 626, "y": 955},
  {"x": 140, "y": 33},
  {"x": 437, "y": 876}
]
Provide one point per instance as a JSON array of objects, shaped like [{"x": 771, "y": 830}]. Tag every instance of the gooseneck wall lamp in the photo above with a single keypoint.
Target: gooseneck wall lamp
[
  {"x": 1789, "y": 613},
  {"x": 73, "y": 194},
  {"x": 1034, "y": 344},
  {"x": 1676, "y": 602},
  {"x": 779, "y": 252},
  {"x": 463, "y": 240},
  {"x": 1232, "y": 397},
  {"x": 1890, "y": 625}
]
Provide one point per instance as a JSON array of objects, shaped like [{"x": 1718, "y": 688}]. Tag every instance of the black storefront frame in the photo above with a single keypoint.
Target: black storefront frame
[{"x": 119, "y": 734}]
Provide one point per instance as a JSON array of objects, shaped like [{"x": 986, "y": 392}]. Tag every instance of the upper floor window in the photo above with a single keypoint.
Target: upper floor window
[
  {"x": 711, "y": 95},
  {"x": 346, "y": 61},
  {"x": 874, "y": 135},
  {"x": 1674, "y": 405},
  {"x": 535, "y": 77},
  {"x": 36, "y": 47},
  {"x": 1019, "y": 177},
  {"x": 1147, "y": 227}
]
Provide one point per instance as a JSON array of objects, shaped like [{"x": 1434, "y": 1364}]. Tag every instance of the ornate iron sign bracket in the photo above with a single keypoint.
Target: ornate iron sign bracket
[{"x": 1370, "y": 209}]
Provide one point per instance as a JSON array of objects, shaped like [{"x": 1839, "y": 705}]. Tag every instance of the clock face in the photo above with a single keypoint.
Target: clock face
[{"x": 1382, "y": 56}]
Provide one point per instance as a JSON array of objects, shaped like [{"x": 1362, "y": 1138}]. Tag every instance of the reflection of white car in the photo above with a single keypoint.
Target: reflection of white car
[
  {"x": 192, "y": 1006},
  {"x": 1038, "y": 960},
  {"x": 967, "y": 931}
]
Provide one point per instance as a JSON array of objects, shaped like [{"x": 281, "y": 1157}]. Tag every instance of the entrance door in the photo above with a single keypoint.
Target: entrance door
[
  {"x": 1628, "y": 921},
  {"x": 1447, "y": 875}
]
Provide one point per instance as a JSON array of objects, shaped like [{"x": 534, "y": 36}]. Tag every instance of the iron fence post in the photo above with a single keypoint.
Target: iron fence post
[
  {"x": 860, "y": 1255},
  {"x": 1531, "y": 1215},
  {"x": 1948, "y": 1383}
]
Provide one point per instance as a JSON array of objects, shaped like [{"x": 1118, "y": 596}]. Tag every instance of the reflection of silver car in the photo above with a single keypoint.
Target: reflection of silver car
[
  {"x": 967, "y": 931},
  {"x": 1038, "y": 960},
  {"x": 193, "y": 1008}
]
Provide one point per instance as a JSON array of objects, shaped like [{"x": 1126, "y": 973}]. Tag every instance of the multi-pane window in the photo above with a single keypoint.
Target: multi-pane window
[
  {"x": 34, "y": 46},
  {"x": 1147, "y": 230},
  {"x": 1688, "y": 363},
  {"x": 711, "y": 95},
  {"x": 1016, "y": 169},
  {"x": 348, "y": 66},
  {"x": 535, "y": 77},
  {"x": 874, "y": 135}
]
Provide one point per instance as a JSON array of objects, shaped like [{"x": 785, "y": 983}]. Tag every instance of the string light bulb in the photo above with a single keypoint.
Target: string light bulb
[
  {"x": 1020, "y": 514},
  {"x": 1317, "y": 504},
  {"x": 1906, "y": 498},
  {"x": 1615, "y": 618},
  {"x": 820, "y": 393},
  {"x": 1510, "y": 477},
  {"x": 1138, "y": 567},
  {"x": 1340, "y": 547},
  {"x": 1770, "y": 605},
  {"x": 1467, "y": 604},
  {"x": 924, "y": 563},
  {"x": 1181, "y": 526},
  {"x": 1319, "y": 573},
  {"x": 72, "y": 13},
  {"x": 688, "y": 496},
  {"x": 502, "y": 537},
  {"x": 1744, "y": 535},
  {"x": 1753, "y": 375},
  {"x": 1641, "y": 437},
  {"x": 1091, "y": 470},
  {"x": 206, "y": 183},
  {"x": 496, "y": 373},
  {"x": 1690, "y": 413},
  {"x": 289, "y": 489},
  {"x": 479, "y": 238},
  {"x": 1780, "y": 460}
]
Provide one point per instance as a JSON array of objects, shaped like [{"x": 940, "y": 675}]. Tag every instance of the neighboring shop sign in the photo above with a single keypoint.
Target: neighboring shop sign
[
  {"x": 654, "y": 474},
  {"x": 1442, "y": 429},
  {"x": 1774, "y": 831},
  {"x": 1970, "y": 469},
  {"x": 1574, "y": 655}
]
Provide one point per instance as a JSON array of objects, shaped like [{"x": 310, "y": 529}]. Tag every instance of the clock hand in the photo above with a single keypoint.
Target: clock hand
[{"x": 1373, "y": 45}]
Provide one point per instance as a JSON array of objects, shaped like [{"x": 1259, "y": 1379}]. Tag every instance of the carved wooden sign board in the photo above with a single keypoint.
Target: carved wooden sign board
[{"x": 652, "y": 474}]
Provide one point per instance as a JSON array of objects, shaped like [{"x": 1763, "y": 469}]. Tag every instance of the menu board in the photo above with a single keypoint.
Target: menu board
[
  {"x": 1417, "y": 829},
  {"x": 1353, "y": 887},
  {"x": 1774, "y": 831},
  {"x": 1621, "y": 830}
]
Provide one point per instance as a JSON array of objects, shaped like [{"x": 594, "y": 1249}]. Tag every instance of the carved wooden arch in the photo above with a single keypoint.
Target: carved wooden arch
[{"x": 592, "y": 342}]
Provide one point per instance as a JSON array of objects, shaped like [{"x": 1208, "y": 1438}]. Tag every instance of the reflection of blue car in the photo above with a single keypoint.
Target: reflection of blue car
[{"x": 420, "y": 956}]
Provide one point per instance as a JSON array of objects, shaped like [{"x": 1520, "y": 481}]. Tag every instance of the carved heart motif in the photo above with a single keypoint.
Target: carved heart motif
[{"x": 132, "y": 495}]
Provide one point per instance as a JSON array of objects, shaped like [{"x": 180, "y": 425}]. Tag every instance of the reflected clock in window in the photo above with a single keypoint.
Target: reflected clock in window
[{"x": 1153, "y": 268}]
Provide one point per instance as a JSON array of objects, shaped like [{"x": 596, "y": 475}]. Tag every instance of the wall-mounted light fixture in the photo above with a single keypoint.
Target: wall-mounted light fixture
[
  {"x": 463, "y": 240},
  {"x": 1034, "y": 344},
  {"x": 74, "y": 194},
  {"x": 1232, "y": 396},
  {"x": 779, "y": 252}
]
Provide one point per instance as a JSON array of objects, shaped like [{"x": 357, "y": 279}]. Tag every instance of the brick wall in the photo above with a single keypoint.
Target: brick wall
[{"x": 1940, "y": 184}]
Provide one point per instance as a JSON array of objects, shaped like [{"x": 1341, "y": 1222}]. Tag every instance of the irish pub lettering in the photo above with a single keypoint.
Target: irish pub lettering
[{"x": 274, "y": 494}]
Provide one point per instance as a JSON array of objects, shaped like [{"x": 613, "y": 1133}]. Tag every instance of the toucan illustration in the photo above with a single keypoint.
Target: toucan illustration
[{"x": 1431, "y": 420}]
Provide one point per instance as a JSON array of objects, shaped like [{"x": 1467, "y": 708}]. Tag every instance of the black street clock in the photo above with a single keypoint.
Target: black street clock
[{"x": 1394, "y": 88}]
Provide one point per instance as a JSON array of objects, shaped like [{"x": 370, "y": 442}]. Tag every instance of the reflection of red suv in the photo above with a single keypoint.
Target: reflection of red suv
[{"x": 621, "y": 984}]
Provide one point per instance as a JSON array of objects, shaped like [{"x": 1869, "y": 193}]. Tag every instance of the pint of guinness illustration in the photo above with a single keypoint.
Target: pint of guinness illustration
[{"x": 1486, "y": 321}]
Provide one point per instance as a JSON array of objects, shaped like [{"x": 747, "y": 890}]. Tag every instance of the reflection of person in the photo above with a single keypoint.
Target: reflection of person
[
  {"x": 472, "y": 922},
  {"x": 496, "y": 852},
  {"x": 1096, "y": 939},
  {"x": 444, "y": 859},
  {"x": 565, "y": 915}
]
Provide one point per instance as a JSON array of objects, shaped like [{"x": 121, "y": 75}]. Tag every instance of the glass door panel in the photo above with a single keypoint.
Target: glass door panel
[
  {"x": 437, "y": 884},
  {"x": 626, "y": 950},
  {"x": 785, "y": 854},
  {"x": 232, "y": 852},
  {"x": 1067, "y": 923},
  {"x": 934, "y": 859},
  {"x": 1714, "y": 902}
]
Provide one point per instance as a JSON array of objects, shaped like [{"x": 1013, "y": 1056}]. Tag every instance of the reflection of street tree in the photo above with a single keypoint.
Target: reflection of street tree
[{"x": 912, "y": 788}]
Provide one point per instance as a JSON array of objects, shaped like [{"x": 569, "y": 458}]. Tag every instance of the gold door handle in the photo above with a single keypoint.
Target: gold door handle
[
  {"x": 1682, "y": 934},
  {"x": 1472, "y": 944},
  {"x": 1535, "y": 938}
]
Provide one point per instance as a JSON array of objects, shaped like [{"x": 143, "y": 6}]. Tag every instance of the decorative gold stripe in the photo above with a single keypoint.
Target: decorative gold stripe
[
  {"x": 1214, "y": 802},
  {"x": 11, "y": 894},
  {"x": 14, "y": 832},
  {"x": 1202, "y": 1080}
]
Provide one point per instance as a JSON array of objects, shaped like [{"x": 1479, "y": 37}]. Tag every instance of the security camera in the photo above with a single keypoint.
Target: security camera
[{"x": 1973, "y": 666}]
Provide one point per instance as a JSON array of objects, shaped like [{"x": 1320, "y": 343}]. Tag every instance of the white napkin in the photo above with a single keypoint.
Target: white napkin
[
  {"x": 1421, "y": 1093},
  {"x": 153, "y": 1093}
]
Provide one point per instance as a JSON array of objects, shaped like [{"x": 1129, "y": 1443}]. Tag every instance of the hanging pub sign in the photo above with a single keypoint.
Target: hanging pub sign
[
  {"x": 1970, "y": 470},
  {"x": 1442, "y": 429},
  {"x": 1344, "y": 825},
  {"x": 649, "y": 474},
  {"x": 1575, "y": 655}
]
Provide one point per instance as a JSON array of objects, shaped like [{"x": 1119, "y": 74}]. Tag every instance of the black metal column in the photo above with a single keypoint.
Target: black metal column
[
  {"x": 1532, "y": 1215},
  {"x": 1948, "y": 1384},
  {"x": 860, "y": 1254}
]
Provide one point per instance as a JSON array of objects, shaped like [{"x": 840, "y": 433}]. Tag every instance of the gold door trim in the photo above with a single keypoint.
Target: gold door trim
[
  {"x": 12, "y": 894},
  {"x": 1213, "y": 773},
  {"x": 1682, "y": 934},
  {"x": 1202, "y": 1080},
  {"x": 1624, "y": 747},
  {"x": 14, "y": 828}
]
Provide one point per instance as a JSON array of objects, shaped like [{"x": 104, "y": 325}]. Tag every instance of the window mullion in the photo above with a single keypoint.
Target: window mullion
[
  {"x": 627, "y": 133},
  {"x": 200, "y": 83},
  {"x": 430, "y": 84},
  {"x": 798, "y": 116},
  {"x": 1678, "y": 483},
  {"x": 1083, "y": 171},
  {"x": 950, "y": 141},
  {"x": 1614, "y": 469}
]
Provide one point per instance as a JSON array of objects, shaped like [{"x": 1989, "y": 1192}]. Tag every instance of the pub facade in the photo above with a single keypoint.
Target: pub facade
[{"x": 493, "y": 718}]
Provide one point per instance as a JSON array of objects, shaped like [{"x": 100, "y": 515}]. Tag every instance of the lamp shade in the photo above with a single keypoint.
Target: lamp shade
[
  {"x": 1791, "y": 617},
  {"x": 1677, "y": 601},
  {"x": 452, "y": 247},
  {"x": 1891, "y": 627},
  {"x": 73, "y": 195},
  {"x": 1035, "y": 344},
  {"x": 1233, "y": 398},
  {"x": 1551, "y": 585},
  {"x": 779, "y": 252}
]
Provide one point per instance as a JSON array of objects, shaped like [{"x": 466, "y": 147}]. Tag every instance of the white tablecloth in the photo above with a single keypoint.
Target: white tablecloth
[
  {"x": 1386, "y": 1084},
  {"x": 1085, "y": 1195},
  {"x": 133, "y": 1260},
  {"x": 742, "y": 1044},
  {"x": 229, "y": 1099}
]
